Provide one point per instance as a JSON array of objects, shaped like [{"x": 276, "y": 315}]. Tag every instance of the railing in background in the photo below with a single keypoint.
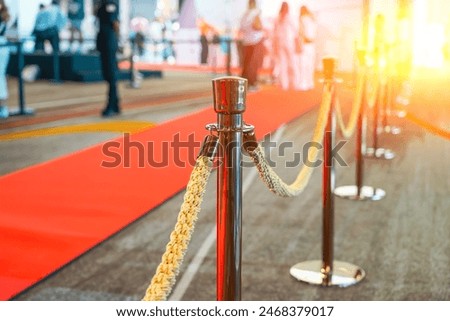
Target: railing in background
[{"x": 22, "y": 110}]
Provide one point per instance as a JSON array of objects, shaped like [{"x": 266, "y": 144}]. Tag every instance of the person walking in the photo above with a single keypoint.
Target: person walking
[
  {"x": 307, "y": 35},
  {"x": 41, "y": 29},
  {"x": 49, "y": 22},
  {"x": 205, "y": 30},
  {"x": 107, "y": 45},
  {"x": 285, "y": 35},
  {"x": 4, "y": 58},
  {"x": 252, "y": 39}
]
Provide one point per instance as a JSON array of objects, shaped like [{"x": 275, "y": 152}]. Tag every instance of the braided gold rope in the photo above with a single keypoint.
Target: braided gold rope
[
  {"x": 164, "y": 278},
  {"x": 268, "y": 175},
  {"x": 347, "y": 131}
]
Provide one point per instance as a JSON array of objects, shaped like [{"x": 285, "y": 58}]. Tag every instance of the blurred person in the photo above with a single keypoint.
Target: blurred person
[
  {"x": 107, "y": 45},
  {"x": 205, "y": 30},
  {"x": 4, "y": 58},
  {"x": 41, "y": 29},
  {"x": 49, "y": 22},
  {"x": 271, "y": 61},
  {"x": 139, "y": 40},
  {"x": 214, "y": 50},
  {"x": 168, "y": 41},
  {"x": 307, "y": 36},
  {"x": 285, "y": 35},
  {"x": 139, "y": 26},
  {"x": 252, "y": 40},
  {"x": 225, "y": 46},
  {"x": 57, "y": 15},
  {"x": 156, "y": 37},
  {"x": 76, "y": 16}
]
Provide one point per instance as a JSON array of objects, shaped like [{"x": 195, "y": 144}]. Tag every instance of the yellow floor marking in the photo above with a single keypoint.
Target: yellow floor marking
[{"x": 126, "y": 126}]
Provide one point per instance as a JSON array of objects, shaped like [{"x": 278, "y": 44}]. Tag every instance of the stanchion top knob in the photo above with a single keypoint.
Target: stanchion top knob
[
  {"x": 329, "y": 66},
  {"x": 229, "y": 95}
]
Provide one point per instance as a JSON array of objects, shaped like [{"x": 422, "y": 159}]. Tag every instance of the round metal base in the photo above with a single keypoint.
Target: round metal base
[
  {"x": 400, "y": 113},
  {"x": 394, "y": 130},
  {"x": 365, "y": 193},
  {"x": 24, "y": 112},
  {"x": 379, "y": 153},
  {"x": 134, "y": 85},
  {"x": 344, "y": 274}
]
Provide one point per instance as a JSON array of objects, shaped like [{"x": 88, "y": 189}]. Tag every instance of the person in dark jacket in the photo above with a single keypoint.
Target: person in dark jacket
[{"x": 107, "y": 45}]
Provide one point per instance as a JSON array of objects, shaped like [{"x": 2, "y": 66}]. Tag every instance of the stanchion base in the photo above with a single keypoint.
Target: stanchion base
[
  {"x": 18, "y": 112},
  {"x": 394, "y": 130},
  {"x": 134, "y": 85},
  {"x": 368, "y": 193},
  {"x": 344, "y": 274},
  {"x": 399, "y": 113},
  {"x": 379, "y": 153}
]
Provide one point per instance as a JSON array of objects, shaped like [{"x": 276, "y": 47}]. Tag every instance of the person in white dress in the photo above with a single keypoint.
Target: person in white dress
[
  {"x": 285, "y": 34},
  {"x": 307, "y": 35}
]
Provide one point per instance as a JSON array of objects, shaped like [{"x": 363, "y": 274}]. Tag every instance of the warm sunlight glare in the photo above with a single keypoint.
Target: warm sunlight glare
[{"x": 428, "y": 38}]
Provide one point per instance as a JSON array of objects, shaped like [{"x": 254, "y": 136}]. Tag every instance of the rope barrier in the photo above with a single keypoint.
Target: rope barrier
[
  {"x": 162, "y": 282},
  {"x": 347, "y": 131},
  {"x": 164, "y": 278},
  {"x": 268, "y": 175}
]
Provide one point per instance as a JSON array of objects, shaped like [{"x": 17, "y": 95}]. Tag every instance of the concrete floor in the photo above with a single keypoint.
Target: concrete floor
[{"x": 402, "y": 241}]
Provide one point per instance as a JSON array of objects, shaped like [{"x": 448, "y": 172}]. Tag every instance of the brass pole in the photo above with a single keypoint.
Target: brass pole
[
  {"x": 229, "y": 104},
  {"x": 328, "y": 272}
]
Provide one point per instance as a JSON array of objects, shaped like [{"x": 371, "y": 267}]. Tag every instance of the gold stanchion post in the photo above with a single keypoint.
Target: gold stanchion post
[
  {"x": 380, "y": 63},
  {"x": 359, "y": 191},
  {"x": 388, "y": 101},
  {"x": 229, "y": 104},
  {"x": 328, "y": 272}
]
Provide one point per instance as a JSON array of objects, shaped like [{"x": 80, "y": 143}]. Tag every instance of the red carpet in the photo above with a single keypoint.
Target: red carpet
[{"x": 53, "y": 212}]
